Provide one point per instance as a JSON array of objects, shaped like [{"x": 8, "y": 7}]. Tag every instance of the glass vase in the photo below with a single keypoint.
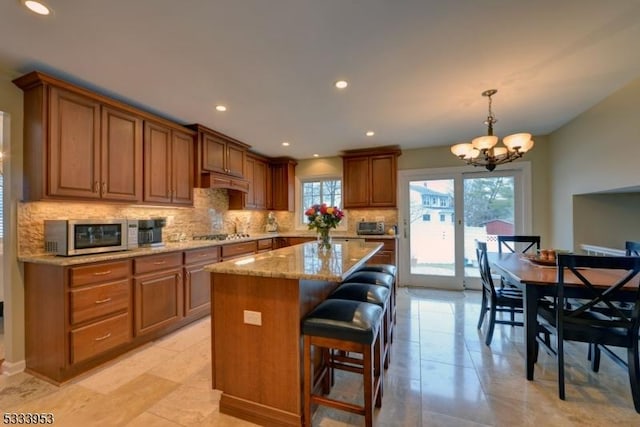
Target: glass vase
[{"x": 324, "y": 239}]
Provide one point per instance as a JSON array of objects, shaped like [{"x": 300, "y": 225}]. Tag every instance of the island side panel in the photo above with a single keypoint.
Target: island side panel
[{"x": 258, "y": 368}]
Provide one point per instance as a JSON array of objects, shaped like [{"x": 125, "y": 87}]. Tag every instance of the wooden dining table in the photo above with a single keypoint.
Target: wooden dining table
[{"x": 537, "y": 281}]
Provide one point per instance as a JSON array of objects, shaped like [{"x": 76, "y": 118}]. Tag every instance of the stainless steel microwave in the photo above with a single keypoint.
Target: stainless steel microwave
[{"x": 69, "y": 237}]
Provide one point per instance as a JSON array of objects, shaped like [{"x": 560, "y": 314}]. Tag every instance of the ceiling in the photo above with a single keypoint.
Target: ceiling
[{"x": 416, "y": 68}]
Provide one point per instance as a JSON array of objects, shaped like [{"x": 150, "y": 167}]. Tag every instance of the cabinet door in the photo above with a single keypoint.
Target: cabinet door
[
  {"x": 260, "y": 184},
  {"x": 283, "y": 186},
  {"x": 158, "y": 301},
  {"x": 213, "y": 153},
  {"x": 121, "y": 156},
  {"x": 235, "y": 160},
  {"x": 250, "y": 197},
  {"x": 383, "y": 181},
  {"x": 74, "y": 145},
  {"x": 182, "y": 168},
  {"x": 356, "y": 182},
  {"x": 197, "y": 290},
  {"x": 157, "y": 163}
]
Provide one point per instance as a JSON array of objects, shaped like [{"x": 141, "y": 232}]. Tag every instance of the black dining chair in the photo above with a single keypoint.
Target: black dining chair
[
  {"x": 517, "y": 244},
  {"x": 632, "y": 248},
  {"x": 583, "y": 321},
  {"x": 494, "y": 300}
]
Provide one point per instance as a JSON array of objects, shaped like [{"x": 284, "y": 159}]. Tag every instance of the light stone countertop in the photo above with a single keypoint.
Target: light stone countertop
[
  {"x": 303, "y": 261},
  {"x": 176, "y": 246}
]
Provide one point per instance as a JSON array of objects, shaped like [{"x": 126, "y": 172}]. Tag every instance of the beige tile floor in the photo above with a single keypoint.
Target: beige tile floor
[{"x": 441, "y": 374}]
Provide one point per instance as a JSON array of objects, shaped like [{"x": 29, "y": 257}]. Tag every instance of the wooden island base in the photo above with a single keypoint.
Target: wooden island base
[{"x": 257, "y": 306}]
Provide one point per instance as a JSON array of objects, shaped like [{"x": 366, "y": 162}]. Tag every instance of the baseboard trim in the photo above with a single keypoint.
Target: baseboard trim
[{"x": 12, "y": 368}]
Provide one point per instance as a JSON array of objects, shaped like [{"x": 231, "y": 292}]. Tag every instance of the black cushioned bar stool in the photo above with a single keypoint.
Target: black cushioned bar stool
[
  {"x": 381, "y": 279},
  {"x": 373, "y": 294},
  {"x": 350, "y": 326},
  {"x": 389, "y": 269}
]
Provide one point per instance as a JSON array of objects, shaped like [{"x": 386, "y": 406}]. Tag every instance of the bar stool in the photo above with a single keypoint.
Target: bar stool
[
  {"x": 373, "y": 294},
  {"x": 348, "y": 326},
  {"x": 389, "y": 269},
  {"x": 381, "y": 279}
]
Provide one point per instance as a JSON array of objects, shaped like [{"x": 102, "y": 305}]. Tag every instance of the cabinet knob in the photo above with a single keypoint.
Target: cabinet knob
[{"x": 95, "y": 187}]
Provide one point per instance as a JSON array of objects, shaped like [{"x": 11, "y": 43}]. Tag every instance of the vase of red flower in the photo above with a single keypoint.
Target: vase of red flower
[{"x": 323, "y": 218}]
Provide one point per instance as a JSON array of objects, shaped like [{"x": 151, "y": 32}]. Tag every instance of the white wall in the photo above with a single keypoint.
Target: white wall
[
  {"x": 11, "y": 104},
  {"x": 597, "y": 151}
]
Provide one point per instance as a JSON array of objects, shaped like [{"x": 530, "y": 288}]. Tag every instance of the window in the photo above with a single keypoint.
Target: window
[
  {"x": 442, "y": 217},
  {"x": 318, "y": 191},
  {"x": 426, "y": 217}
]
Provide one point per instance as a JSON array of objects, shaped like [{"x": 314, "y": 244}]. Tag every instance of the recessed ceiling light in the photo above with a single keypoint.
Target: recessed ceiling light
[
  {"x": 341, "y": 84},
  {"x": 370, "y": 133},
  {"x": 37, "y": 7},
  {"x": 286, "y": 144},
  {"x": 316, "y": 155},
  {"x": 221, "y": 108}
]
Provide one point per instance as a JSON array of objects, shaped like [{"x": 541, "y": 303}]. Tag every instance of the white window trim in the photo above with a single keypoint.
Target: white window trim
[{"x": 298, "y": 224}]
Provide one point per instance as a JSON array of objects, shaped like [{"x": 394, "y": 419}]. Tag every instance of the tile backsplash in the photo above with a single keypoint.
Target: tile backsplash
[{"x": 210, "y": 214}]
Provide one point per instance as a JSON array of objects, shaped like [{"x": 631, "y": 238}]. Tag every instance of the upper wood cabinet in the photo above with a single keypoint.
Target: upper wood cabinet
[
  {"x": 218, "y": 155},
  {"x": 370, "y": 177},
  {"x": 256, "y": 172},
  {"x": 283, "y": 173},
  {"x": 168, "y": 165},
  {"x": 77, "y": 145}
]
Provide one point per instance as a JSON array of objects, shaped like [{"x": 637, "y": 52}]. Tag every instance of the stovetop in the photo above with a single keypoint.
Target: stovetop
[{"x": 221, "y": 236}]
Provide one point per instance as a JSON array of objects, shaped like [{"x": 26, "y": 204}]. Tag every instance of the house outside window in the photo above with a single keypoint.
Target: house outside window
[
  {"x": 426, "y": 217},
  {"x": 443, "y": 217}
]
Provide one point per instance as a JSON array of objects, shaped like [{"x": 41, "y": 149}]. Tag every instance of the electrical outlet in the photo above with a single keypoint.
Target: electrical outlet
[
  {"x": 253, "y": 317},
  {"x": 170, "y": 219}
]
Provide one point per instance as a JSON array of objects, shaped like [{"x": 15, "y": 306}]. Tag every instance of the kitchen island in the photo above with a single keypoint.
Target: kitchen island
[{"x": 257, "y": 306}]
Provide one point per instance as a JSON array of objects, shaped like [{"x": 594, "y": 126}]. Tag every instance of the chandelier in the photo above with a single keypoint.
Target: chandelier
[{"x": 482, "y": 151}]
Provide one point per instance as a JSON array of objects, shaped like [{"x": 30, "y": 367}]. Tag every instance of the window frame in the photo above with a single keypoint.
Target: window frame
[{"x": 299, "y": 210}]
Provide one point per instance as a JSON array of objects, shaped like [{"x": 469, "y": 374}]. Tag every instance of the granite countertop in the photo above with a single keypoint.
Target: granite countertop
[
  {"x": 175, "y": 246},
  {"x": 303, "y": 261}
]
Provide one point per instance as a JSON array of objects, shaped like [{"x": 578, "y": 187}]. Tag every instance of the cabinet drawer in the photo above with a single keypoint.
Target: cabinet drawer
[
  {"x": 96, "y": 273},
  {"x": 265, "y": 244},
  {"x": 202, "y": 255},
  {"x": 157, "y": 262},
  {"x": 387, "y": 244},
  {"x": 99, "y": 300},
  {"x": 237, "y": 249},
  {"x": 99, "y": 337}
]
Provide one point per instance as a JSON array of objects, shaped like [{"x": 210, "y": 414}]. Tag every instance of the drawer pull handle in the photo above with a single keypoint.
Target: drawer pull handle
[
  {"x": 104, "y": 337},
  {"x": 102, "y": 273},
  {"x": 203, "y": 255},
  {"x": 160, "y": 262},
  {"x": 102, "y": 301}
]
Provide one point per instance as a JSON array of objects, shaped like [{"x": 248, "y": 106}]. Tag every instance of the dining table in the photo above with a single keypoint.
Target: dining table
[{"x": 538, "y": 279}]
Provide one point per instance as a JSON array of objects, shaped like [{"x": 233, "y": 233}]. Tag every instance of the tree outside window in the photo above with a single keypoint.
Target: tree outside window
[{"x": 318, "y": 191}]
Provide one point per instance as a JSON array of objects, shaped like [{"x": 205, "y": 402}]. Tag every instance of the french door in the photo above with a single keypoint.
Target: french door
[{"x": 443, "y": 212}]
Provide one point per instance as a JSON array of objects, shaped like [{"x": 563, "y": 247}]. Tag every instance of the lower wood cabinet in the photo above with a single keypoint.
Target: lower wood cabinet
[
  {"x": 98, "y": 337},
  {"x": 387, "y": 254},
  {"x": 158, "y": 295},
  {"x": 197, "y": 281}
]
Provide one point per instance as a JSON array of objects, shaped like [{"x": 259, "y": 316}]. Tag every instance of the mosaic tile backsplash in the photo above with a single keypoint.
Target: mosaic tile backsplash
[{"x": 210, "y": 214}]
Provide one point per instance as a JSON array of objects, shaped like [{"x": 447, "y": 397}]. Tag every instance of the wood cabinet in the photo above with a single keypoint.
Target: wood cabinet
[
  {"x": 76, "y": 317},
  {"x": 220, "y": 160},
  {"x": 264, "y": 245},
  {"x": 387, "y": 254},
  {"x": 235, "y": 250},
  {"x": 283, "y": 184},
  {"x": 370, "y": 177},
  {"x": 197, "y": 282},
  {"x": 78, "y": 145},
  {"x": 168, "y": 165},
  {"x": 256, "y": 171},
  {"x": 158, "y": 292}
]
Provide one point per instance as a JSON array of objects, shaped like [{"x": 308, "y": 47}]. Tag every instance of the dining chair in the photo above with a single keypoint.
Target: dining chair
[
  {"x": 581, "y": 320},
  {"x": 494, "y": 300},
  {"x": 632, "y": 248},
  {"x": 517, "y": 243}
]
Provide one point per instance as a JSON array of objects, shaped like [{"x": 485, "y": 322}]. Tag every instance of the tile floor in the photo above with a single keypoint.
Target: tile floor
[{"x": 441, "y": 374}]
